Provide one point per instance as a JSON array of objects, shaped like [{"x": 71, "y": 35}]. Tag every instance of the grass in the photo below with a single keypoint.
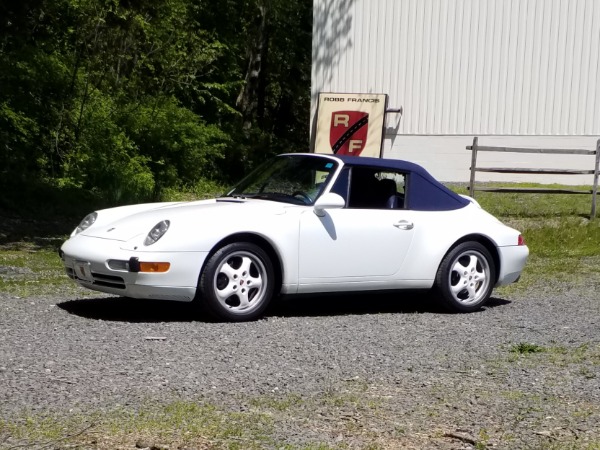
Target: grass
[
  {"x": 194, "y": 425},
  {"x": 175, "y": 425},
  {"x": 29, "y": 271},
  {"x": 525, "y": 348},
  {"x": 587, "y": 355}
]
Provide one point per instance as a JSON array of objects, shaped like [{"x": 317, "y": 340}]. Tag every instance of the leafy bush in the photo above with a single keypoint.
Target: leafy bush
[{"x": 180, "y": 147}]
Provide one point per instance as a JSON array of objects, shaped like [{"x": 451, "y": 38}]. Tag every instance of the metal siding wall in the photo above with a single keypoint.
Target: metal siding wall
[{"x": 467, "y": 67}]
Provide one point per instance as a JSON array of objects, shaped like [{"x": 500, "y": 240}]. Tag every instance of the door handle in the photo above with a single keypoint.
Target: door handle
[{"x": 404, "y": 225}]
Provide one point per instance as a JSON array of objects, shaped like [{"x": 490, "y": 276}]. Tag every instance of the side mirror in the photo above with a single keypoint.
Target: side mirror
[{"x": 328, "y": 201}]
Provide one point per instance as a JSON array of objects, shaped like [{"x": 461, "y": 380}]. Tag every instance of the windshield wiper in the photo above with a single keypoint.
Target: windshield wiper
[
  {"x": 277, "y": 197},
  {"x": 230, "y": 198}
]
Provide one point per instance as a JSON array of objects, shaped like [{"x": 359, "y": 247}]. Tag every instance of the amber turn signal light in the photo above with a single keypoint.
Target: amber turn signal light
[{"x": 154, "y": 266}]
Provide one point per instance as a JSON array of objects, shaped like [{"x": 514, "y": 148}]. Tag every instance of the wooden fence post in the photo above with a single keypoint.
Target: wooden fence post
[
  {"x": 595, "y": 186},
  {"x": 473, "y": 164}
]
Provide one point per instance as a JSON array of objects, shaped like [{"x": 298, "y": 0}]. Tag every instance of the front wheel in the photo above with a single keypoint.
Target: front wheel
[
  {"x": 465, "y": 278},
  {"x": 237, "y": 283}
]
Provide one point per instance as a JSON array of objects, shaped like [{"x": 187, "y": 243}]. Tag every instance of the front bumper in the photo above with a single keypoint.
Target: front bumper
[{"x": 103, "y": 265}]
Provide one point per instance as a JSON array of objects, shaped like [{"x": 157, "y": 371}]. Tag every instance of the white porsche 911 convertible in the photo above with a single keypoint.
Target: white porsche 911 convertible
[{"x": 300, "y": 223}]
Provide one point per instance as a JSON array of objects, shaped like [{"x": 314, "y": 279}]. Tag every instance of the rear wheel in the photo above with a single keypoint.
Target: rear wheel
[
  {"x": 237, "y": 283},
  {"x": 465, "y": 278}
]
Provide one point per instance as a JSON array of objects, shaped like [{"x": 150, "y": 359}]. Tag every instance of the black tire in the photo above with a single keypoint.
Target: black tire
[
  {"x": 237, "y": 283},
  {"x": 466, "y": 277}
]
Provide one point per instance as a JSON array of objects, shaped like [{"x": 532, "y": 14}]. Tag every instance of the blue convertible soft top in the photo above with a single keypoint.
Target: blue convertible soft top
[{"x": 424, "y": 193}]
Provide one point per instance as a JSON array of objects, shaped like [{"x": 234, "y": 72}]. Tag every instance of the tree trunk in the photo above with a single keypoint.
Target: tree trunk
[{"x": 248, "y": 100}]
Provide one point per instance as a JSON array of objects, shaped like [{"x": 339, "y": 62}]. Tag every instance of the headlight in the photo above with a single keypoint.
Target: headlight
[
  {"x": 157, "y": 232},
  {"x": 87, "y": 222}
]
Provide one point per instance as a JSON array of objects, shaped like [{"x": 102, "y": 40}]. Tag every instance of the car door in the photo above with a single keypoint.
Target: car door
[{"x": 358, "y": 246}]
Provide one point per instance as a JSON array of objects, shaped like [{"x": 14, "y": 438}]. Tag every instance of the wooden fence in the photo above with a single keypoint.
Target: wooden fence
[{"x": 475, "y": 148}]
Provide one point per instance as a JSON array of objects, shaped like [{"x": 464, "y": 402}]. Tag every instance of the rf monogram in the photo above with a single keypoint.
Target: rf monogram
[{"x": 348, "y": 132}]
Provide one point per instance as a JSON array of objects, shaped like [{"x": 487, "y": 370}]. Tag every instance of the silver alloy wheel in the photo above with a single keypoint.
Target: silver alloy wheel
[
  {"x": 240, "y": 283},
  {"x": 469, "y": 277}
]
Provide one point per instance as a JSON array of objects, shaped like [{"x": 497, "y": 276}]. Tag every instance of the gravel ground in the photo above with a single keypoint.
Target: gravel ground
[{"x": 433, "y": 380}]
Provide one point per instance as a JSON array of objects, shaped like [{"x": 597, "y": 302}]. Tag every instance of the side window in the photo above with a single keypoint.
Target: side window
[
  {"x": 396, "y": 187},
  {"x": 372, "y": 188}
]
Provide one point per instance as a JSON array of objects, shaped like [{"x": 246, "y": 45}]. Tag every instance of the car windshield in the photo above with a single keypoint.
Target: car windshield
[{"x": 296, "y": 179}]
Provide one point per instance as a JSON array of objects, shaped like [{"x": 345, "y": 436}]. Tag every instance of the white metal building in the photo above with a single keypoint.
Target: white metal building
[{"x": 521, "y": 73}]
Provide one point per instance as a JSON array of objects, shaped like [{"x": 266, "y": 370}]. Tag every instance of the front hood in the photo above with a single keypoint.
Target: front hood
[{"x": 181, "y": 216}]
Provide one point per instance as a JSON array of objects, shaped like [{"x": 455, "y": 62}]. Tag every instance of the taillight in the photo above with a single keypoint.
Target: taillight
[{"x": 521, "y": 240}]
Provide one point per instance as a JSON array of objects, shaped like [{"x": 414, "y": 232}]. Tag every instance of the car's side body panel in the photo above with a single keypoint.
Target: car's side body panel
[
  {"x": 352, "y": 247},
  {"x": 403, "y": 249},
  {"x": 438, "y": 232}
]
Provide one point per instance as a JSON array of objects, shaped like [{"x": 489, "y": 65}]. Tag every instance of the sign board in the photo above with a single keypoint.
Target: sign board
[{"x": 350, "y": 124}]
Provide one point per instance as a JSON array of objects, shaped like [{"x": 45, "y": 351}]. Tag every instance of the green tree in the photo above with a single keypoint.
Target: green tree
[{"x": 125, "y": 98}]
